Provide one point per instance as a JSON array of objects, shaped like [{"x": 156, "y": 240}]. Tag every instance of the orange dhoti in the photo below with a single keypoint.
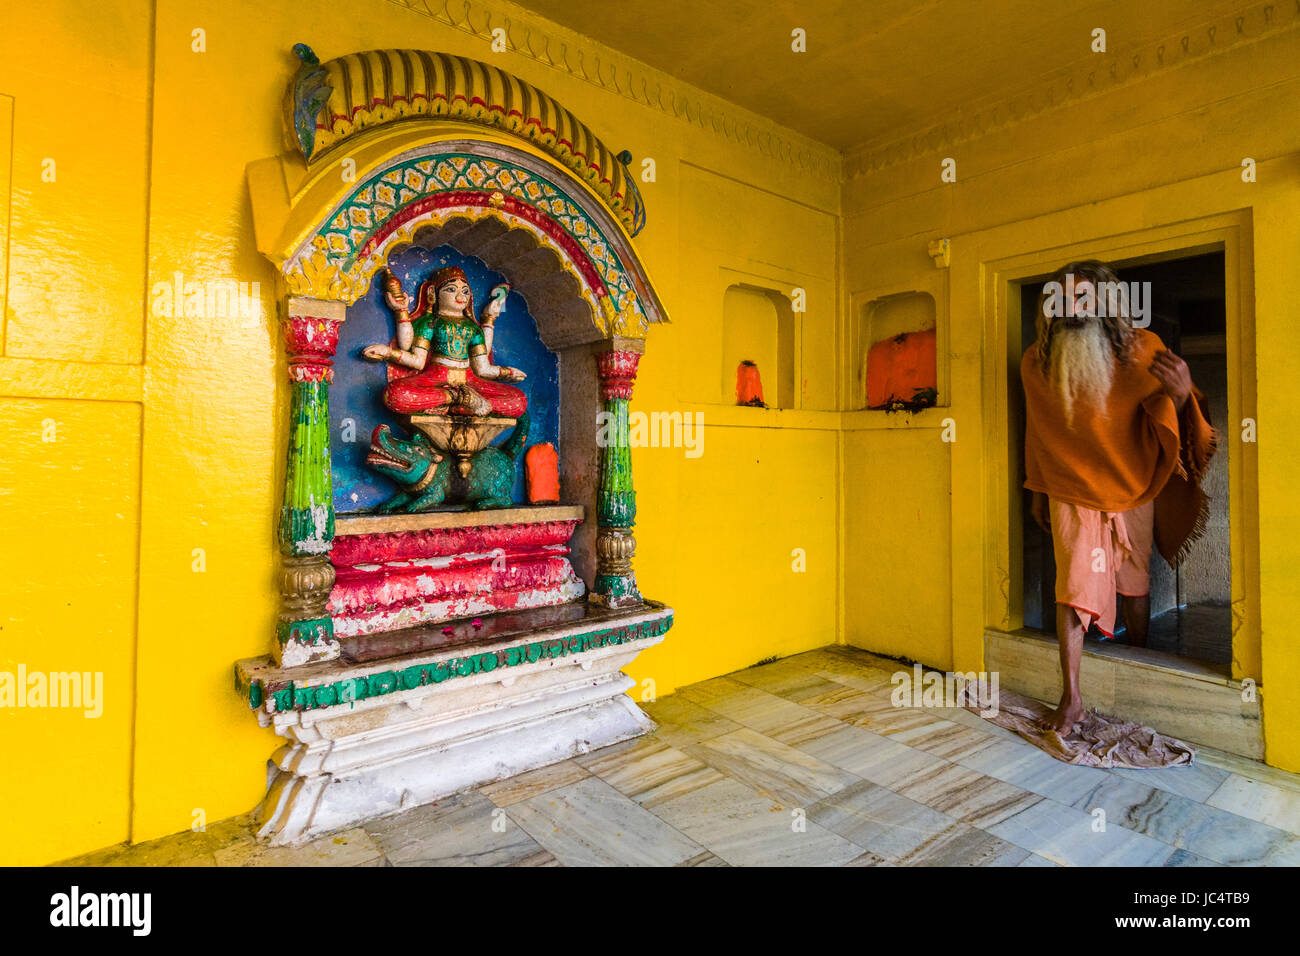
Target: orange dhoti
[
  {"x": 1099, "y": 553},
  {"x": 440, "y": 390}
]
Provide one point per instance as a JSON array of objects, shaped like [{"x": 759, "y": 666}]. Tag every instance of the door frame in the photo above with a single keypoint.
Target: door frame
[{"x": 1001, "y": 277}]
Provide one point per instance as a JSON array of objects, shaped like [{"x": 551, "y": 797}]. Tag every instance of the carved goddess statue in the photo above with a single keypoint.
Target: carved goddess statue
[{"x": 460, "y": 379}]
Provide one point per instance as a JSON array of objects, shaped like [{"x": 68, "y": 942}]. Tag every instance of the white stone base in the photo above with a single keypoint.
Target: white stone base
[{"x": 352, "y": 762}]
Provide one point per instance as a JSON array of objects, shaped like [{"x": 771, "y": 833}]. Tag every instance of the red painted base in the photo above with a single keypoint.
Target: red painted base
[{"x": 393, "y": 580}]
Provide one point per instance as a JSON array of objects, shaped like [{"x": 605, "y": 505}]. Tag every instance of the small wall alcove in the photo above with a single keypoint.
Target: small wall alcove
[
  {"x": 897, "y": 365},
  {"x": 759, "y": 325}
]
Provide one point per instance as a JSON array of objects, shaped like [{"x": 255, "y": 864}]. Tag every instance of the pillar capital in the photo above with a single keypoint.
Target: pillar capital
[
  {"x": 617, "y": 370},
  {"x": 311, "y": 335}
]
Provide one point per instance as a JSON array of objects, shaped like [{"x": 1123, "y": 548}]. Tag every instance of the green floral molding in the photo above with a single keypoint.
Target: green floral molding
[
  {"x": 311, "y": 631},
  {"x": 616, "y": 585},
  {"x": 280, "y": 696}
]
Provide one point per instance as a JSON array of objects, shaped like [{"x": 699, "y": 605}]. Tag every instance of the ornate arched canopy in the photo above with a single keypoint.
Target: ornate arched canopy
[
  {"x": 388, "y": 144},
  {"x": 398, "y": 148}
]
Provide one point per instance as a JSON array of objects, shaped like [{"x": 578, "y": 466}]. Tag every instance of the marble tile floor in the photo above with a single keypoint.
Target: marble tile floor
[{"x": 804, "y": 761}]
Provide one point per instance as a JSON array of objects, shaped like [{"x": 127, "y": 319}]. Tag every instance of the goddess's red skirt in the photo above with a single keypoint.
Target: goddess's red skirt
[{"x": 426, "y": 392}]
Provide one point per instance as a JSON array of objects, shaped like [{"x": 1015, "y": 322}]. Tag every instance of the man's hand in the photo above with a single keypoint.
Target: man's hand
[
  {"x": 1174, "y": 375},
  {"x": 1041, "y": 513}
]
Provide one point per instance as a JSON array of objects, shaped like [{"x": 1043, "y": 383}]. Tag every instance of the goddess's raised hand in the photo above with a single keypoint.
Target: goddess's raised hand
[{"x": 397, "y": 301}]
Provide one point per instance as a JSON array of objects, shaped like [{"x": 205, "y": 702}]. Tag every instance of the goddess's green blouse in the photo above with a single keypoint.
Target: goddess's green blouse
[{"x": 449, "y": 337}]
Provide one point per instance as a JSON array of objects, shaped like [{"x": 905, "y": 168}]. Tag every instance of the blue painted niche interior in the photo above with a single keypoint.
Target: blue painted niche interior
[{"x": 356, "y": 397}]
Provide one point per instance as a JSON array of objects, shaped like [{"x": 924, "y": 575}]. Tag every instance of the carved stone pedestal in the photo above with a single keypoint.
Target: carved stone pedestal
[
  {"x": 370, "y": 739},
  {"x": 461, "y": 436}
]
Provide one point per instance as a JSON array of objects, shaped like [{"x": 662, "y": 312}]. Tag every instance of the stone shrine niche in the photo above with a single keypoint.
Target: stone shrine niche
[
  {"x": 356, "y": 396},
  {"x": 470, "y": 298},
  {"x": 898, "y": 368},
  {"x": 760, "y": 327}
]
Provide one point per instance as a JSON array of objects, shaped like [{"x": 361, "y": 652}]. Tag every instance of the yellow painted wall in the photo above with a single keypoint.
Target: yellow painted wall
[
  {"x": 1106, "y": 173},
  {"x": 69, "y": 507},
  {"x": 897, "y": 586},
  {"x": 182, "y": 420},
  {"x": 155, "y": 508}
]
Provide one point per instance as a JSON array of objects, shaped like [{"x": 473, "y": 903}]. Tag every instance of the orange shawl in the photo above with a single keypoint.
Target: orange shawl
[{"x": 1134, "y": 449}]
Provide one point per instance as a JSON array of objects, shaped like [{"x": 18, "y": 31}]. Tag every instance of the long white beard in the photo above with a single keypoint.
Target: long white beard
[{"x": 1083, "y": 366}]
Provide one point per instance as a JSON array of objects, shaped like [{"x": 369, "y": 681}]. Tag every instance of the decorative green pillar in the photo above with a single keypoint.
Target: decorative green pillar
[
  {"x": 305, "y": 631},
  {"x": 615, "y": 499}
]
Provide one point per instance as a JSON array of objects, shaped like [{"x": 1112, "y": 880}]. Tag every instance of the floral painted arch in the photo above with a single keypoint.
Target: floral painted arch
[
  {"x": 330, "y": 103},
  {"x": 427, "y": 140},
  {"x": 474, "y": 192}
]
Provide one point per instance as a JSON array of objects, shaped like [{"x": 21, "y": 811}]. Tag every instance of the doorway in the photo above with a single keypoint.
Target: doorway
[{"x": 1191, "y": 616}]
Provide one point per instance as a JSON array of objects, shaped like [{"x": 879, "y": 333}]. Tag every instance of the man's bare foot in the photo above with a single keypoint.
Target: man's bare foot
[{"x": 1068, "y": 713}]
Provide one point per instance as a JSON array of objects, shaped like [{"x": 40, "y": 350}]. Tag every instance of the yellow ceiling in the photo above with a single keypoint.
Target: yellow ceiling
[{"x": 874, "y": 70}]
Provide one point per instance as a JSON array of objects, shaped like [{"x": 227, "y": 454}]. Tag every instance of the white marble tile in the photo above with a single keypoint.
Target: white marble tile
[
  {"x": 1004, "y": 758},
  {"x": 648, "y": 770},
  {"x": 943, "y": 738},
  {"x": 966, "y": 795},
  {"x": 904, "y": 722},
  {"x": 963, "y": 845},
  {"x": 683, "y": 720},
  {"x": 745, "y": 828},
  {"x": 761, "y": 711},
  {"x": 589, "y": 823},
  {"x": 706, "y": 858},
  {"x": 346, "y": 848},
  {"x": 869, "y": 859},
  {"x": 1031, "y": 769},
  {"x": 1250, "y": 769},
  {"x": 847, "y": 704},
  {"x": 875, "y": 681},
  {"x": 1067, "y": 836},
  {"x": 1187, "y": 858},
  {"x": 714, "y": 689},
  {"x": 1196, "y": 781},
  {"x": 791, "y": 682},
  {"x": 879, "y": 820},
  {"x": 871, "y": 756},
  {"x": 1265, "y": 802},
  {"x": 845, "y": 744},
  {"x": 1208, "y": 832},
  {"x": 893, "y": 765},
  {"x": 791, "y": 776},
  {"x": 524, "y": 786},
  {"x": 960, "y": 715},
  {"x": 1286, "y": 853},
  {"x": 466, "y": 829}
]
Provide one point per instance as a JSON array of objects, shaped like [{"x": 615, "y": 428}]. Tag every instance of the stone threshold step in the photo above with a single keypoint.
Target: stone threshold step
[{"x": 1191, "y": 700}]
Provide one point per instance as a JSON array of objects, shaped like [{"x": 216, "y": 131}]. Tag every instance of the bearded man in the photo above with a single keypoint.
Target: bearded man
[{"x": 1117, "y": 439}]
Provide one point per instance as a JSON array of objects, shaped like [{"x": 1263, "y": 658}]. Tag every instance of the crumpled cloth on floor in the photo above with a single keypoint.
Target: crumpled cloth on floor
[{"x": 1096, "y": 741}]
